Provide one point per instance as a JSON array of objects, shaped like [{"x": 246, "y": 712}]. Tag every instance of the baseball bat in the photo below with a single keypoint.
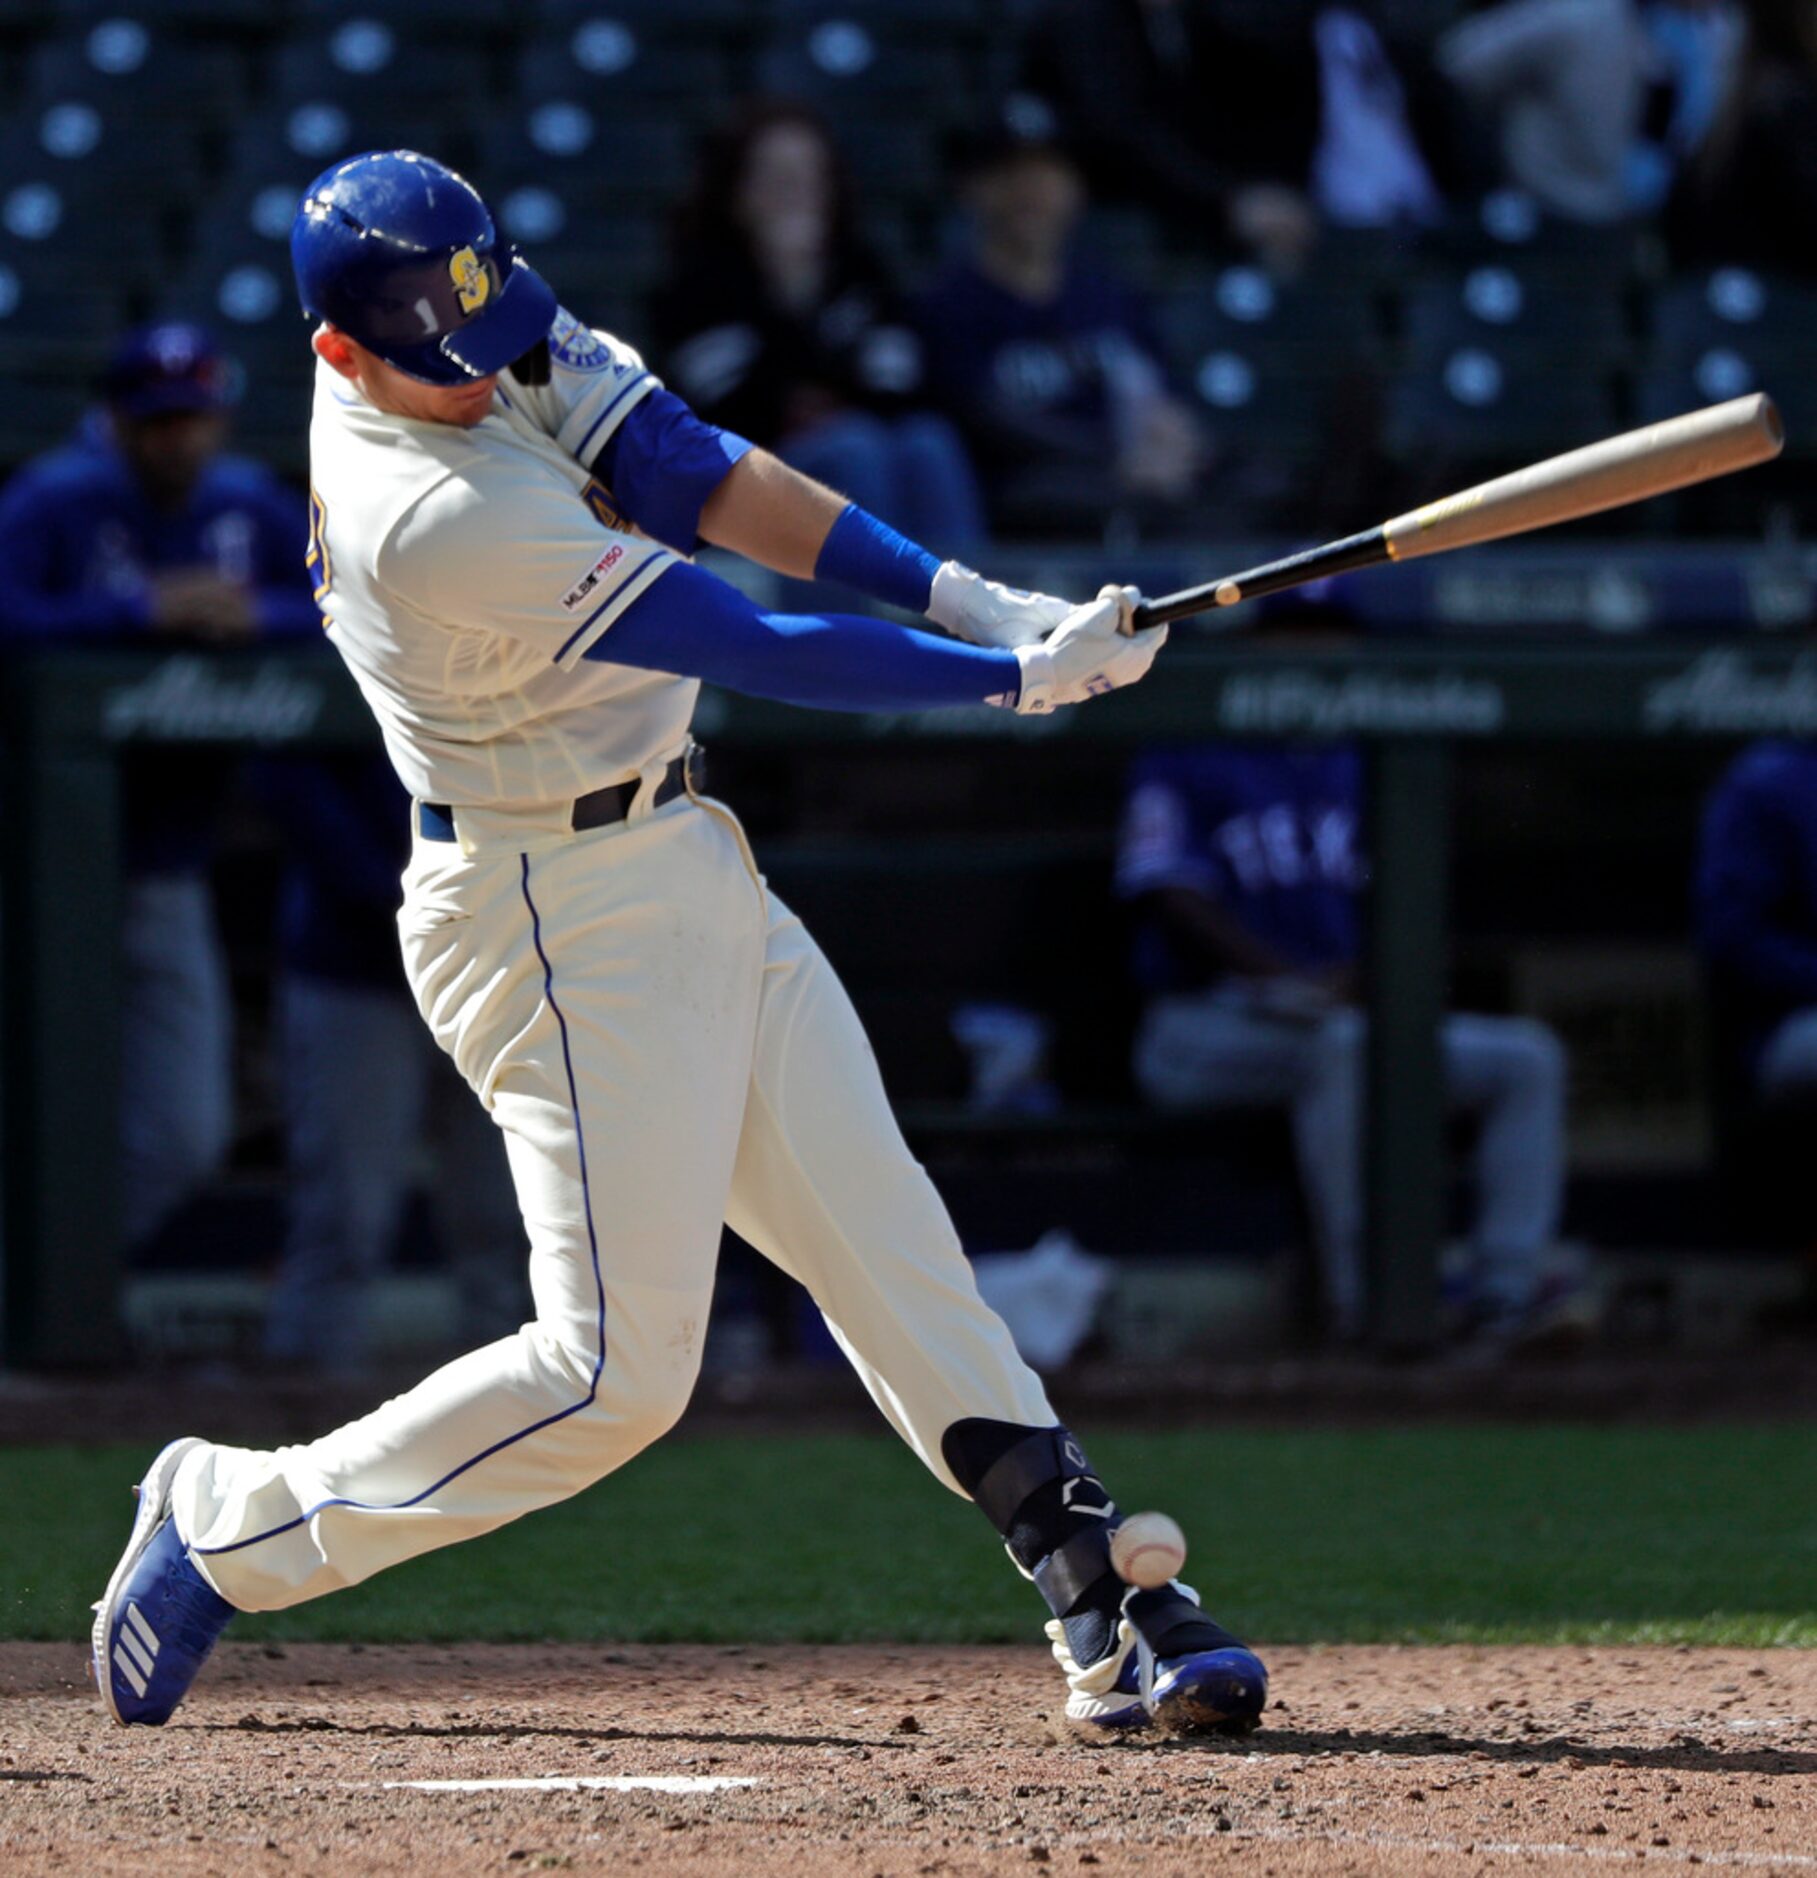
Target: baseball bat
[{"x": 1694, "y": 448}]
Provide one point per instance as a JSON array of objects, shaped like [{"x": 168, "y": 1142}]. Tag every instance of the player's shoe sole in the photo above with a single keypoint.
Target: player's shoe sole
[{"x": 159, "y": 1618}]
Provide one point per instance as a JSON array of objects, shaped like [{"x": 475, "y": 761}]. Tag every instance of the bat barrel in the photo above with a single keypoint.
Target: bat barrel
[
  {"x": 1607, "y": 475},
  {"x": 1650, "y": 461}
]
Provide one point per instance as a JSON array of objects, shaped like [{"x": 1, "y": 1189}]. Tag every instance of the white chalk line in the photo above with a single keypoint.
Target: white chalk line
[
  {"x": 577, "y": 1783},
  {"x": 1511, "y": 1848}
]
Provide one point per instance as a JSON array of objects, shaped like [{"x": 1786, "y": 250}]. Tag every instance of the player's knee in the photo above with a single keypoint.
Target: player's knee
[
  {"x": 1338, "y": 1043},
  {"x": 661, "y": 1406},
  {"x": 191, "y": 1141},
  {"x": 645, "y": 1400},
  {"x": 639, "y": 1386},
  {"x": 1536, "y": 1057}
]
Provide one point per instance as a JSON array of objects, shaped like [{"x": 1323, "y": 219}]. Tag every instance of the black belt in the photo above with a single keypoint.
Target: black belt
[{"x": 600, "y": 809}]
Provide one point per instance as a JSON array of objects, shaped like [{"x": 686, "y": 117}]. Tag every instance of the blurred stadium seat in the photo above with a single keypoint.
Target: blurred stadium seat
[
  {"x": 1732, "y": 308},
  {"x": 131, "y": 61},
  {"x": 248, "y": 215},
  {"x": 38, "y": 415},
  {"x": 59, "y": 232},
  {"x": 597, "y": 157},
  {"x": 598, "y": 258},
  {"x": 198, "y": 14},
  {"x": 854, "y": 62},
  {"x": 1509, "y": 226},
  {"x": 1300, "y": 327},
  {"x": 44, "y": 322},
  {"x": 315, "y": 132},
  {"x": 369, "y": 65},
  {"x": 609, "y": 60},
  {"x": 423, "y": 16},
  {"x": 89, "y": 150},
  {"x": 251, "y": 303},
  {"x": 1482, "y": 406},
  {"x": 1501, "y": 307},
  {"x": 1249, "y": 397},
  {"x": 682, "y": 17},
  {"x": 948, "y": 15}
]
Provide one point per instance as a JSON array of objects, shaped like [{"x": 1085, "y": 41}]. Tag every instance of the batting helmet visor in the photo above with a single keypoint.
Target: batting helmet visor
[{"x": 401, "y": 254}]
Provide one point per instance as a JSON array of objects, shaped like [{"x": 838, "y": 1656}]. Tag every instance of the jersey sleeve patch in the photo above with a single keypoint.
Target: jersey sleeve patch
[
  {"x": 579, "y": 347},
  {"x": 583, "y": 589}
]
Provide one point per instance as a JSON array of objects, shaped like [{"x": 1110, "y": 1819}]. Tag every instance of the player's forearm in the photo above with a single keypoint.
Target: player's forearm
[
  {"x": 854, "y": 548},
  {"x": 772, "y": 515},
  {"x": 697, "y": 626}
]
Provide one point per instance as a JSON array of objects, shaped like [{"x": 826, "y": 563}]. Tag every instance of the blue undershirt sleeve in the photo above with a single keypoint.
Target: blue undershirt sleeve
[
  {"x": 662, "y": 463},
  {"x": 869, "y": 555},
  {"x": 692, "y": 623}
]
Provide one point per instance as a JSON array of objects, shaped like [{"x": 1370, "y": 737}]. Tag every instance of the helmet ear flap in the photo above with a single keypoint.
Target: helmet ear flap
[{"x": 533, "y": 368}]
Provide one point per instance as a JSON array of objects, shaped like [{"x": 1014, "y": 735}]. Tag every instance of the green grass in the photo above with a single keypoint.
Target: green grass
[{"x": 1454, "y": 1534}]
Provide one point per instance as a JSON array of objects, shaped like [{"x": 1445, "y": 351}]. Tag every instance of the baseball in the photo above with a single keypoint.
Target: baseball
[{"x": 1148, "y": 1549}]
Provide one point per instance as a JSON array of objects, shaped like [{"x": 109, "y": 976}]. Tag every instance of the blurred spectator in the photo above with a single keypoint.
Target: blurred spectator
[
  {"x": 1750, "y": 197},
  {"x": 780, "y": 324},
  {"x": 1183, "y": 111},
  {"x": 1368, "y": 170},
  {"x": 364, "y": 1082},
  {"x": 1244, "y": 862},
  {"x": 1051, "y": 364},
  {"x": 1245, "y": 130},
  {"x": 1596, "y": 104},
  {"x": 142, "y": 531},
  {"x": 1757, "y": 913}
]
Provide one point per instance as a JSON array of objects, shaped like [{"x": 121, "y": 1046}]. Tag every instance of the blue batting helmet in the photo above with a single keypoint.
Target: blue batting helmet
[{"x": 401, "y": 254}]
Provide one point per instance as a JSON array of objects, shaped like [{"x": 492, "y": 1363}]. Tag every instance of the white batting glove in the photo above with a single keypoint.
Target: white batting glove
[
  {"x": 1093, "y": 651},
  {"x": 990, "y": 614}
]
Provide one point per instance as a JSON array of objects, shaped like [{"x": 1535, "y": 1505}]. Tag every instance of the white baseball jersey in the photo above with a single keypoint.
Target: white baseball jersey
[
  {"x": 655, "y": 1033},
  {"x": 464, "y": 573}
]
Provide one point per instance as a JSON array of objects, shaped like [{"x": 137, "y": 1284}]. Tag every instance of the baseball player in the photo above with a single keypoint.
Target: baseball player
[
  {"x": 143, "y": 529},
  {"x": 1245, "y": 862},
  {"x": 503, "y": 503}
]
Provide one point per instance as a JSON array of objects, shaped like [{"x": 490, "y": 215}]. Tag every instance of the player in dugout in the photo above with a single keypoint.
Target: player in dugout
[
  {"x": 1245, "y": 864},
  {"x": 504, "y": 503},
  {"x": 142, "y": 530}
]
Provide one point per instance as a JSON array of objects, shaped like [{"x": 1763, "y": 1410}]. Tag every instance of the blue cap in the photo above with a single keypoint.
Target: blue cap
[
  {"x": 170, "y": 366},
  {"x": 401, "y": 254}
]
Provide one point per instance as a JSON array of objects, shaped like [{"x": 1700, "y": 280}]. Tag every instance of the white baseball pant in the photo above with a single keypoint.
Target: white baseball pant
[
  {"x": 664, "y": 1047},
  {"x": 176, "y": 1049}
]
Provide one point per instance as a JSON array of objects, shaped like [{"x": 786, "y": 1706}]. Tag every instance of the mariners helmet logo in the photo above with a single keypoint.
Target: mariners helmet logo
[{"x": 472, "y": 284}]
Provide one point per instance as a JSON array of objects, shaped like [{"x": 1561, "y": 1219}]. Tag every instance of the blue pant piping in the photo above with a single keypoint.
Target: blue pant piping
[{"x": 599, "y": 1361}]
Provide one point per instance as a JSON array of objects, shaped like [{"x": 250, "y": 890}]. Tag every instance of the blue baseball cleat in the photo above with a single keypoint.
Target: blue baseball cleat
[
  {"x": 1207, "y": 1692},
  {"x": 1221, "y": 1689},
  {"x": 159, "y": 1618}
]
